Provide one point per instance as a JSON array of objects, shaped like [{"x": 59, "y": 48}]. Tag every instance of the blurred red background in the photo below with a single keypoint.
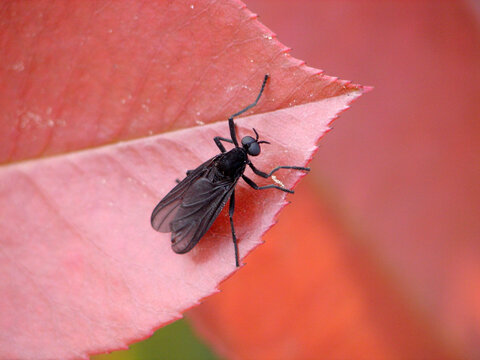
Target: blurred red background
[{"x": 378, "y": 256}]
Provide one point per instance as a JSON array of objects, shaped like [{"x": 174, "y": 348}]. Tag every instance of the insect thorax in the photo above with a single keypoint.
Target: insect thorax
[{"x": 232, "y": 163}]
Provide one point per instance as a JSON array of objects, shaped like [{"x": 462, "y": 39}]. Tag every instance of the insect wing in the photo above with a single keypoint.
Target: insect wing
[
  {"x": 201, "y": 205},
  {"x": 166, "y": 209}
]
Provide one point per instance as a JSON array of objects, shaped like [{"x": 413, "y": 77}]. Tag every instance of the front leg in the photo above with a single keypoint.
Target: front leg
[
  {"x": 233, "y": 133},
  {"x": 217, "y": 140},
  {"x": 231, "y": 124},
  {"x": 266, "y": 176}
]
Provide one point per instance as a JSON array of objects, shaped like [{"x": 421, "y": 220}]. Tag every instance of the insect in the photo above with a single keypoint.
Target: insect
[{"x": 192, "y": 206}]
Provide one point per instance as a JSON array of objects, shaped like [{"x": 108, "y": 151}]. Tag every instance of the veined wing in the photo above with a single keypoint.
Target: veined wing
[
  {"x": 167, "y": 208},
  {"x": 201, "y": 205}
]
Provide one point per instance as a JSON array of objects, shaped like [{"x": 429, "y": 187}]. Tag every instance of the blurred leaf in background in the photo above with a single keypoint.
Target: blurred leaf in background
[{"x": 173, "y": 342}]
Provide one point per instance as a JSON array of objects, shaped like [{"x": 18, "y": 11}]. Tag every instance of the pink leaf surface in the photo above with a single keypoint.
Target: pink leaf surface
[{"x": 83, "y": 86}]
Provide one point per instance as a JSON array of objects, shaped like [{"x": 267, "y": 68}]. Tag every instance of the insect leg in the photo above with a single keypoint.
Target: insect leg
[
  {"x": 256, "y": 187},
  {"x": 230, "y": 213},
  {"x": 288, "y": 167},
  {"x": 217, "y": 140},
  {"x": 258, "y": 172},
  {"x": 233, "y": 133},
  {"x": 231, "y": 124},
  {"x": 256, "y": 100},
  {"x": 265, "y": 175}
]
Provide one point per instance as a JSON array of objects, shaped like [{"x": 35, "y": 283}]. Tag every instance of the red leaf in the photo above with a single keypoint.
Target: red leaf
[{"x": 84, "y": 271}]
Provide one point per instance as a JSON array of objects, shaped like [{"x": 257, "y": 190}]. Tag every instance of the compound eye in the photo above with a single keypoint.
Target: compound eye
[
  {"x": 247, "y": 140},
  {"x": 254, "y": 149}
]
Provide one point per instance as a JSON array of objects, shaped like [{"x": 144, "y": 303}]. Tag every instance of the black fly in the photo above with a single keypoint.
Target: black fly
[{"x": 192, "y": 206}]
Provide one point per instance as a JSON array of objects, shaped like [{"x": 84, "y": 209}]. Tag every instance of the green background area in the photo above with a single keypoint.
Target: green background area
[{"x": 172, "y": 342}]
